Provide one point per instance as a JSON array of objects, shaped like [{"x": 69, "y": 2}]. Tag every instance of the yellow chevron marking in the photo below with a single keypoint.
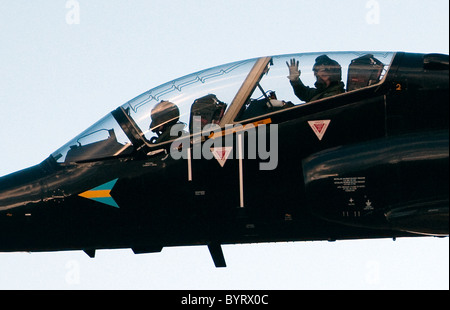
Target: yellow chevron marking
[{"x": 96, "y": 194}]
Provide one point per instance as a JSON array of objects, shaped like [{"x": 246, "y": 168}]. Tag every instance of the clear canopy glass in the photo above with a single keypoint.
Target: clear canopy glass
[{"x": 223, "y": 86}]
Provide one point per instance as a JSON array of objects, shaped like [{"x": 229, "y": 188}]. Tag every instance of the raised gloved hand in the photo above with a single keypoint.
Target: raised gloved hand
[{"x": 294, "y": 72}]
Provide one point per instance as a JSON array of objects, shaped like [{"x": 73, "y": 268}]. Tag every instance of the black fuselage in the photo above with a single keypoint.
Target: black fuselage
[{"x": 380, "y": 170}]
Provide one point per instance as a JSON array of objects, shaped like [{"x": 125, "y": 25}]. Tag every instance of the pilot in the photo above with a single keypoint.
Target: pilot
[
  {"x": 165, "y": 116},
  {"x": 328, "y": 74}
]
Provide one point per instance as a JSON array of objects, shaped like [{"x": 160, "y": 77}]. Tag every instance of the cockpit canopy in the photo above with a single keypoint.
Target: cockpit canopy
[{"x": 228, "y": 93}]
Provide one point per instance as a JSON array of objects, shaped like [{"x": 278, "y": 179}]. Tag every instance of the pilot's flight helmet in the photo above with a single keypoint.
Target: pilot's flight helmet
[
  {"x": 164, "y": 113},
  {"x": 324, "y": 62}
]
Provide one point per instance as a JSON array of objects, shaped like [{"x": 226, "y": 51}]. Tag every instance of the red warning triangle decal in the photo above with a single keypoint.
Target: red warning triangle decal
[
  {"x": 221, "y": 154},
  {"x": 319, "y": 127}
]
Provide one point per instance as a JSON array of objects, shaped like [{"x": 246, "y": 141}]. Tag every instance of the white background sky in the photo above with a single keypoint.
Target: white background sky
[{"x": 57, "y": 78}]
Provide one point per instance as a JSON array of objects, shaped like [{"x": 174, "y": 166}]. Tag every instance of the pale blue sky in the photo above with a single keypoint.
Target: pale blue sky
[{"x": 57, "y": 79}]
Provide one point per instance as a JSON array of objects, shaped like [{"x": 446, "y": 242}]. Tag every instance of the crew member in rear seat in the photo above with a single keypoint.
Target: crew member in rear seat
[{"x": 328, "y": 73}]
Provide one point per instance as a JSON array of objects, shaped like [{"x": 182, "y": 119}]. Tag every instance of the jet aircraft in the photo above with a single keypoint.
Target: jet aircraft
[{"x": 231, "y": 155}]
